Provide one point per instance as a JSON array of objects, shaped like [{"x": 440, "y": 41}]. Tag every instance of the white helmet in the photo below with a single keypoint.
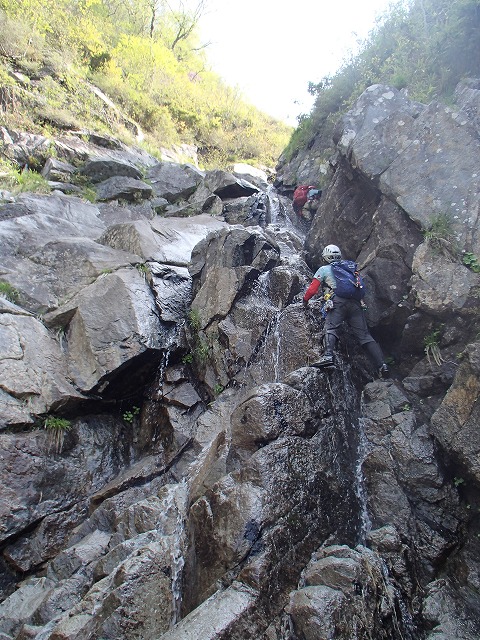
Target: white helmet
[{"x": 331, "y": 253}]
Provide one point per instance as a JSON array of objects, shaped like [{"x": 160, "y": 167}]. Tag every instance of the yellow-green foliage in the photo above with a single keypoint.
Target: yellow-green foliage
[
  {"x": 133, "y": 53},
  {"x": 18, "y": 181}
]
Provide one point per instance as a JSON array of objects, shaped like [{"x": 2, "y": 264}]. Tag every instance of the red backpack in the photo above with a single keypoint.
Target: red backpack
[{"x": 301, "y": 192}]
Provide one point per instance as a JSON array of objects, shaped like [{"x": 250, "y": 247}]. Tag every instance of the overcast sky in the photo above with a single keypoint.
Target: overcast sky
[{"x": 271, "y": 49}]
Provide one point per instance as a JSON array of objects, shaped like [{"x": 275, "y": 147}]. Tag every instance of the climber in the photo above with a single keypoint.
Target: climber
[
  {"x": 349, "y": 307},
  {"x": 305, "y": 200}
]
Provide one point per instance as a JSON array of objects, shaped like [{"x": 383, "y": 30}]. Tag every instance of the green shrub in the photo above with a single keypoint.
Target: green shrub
[
  {"x": 201, "y": 352},
  {"x": 129, "y": 416},
  {"x": 200, "y": 349},
  {"x": 432, "y": 347},
  {"x": 142, "y": 269},
  {"x": 470, "y": 260},
  {"x": 439, "y": 234},
  {"x": 217, "y": 389},
  {"x": 172, "y": 95},
  {"x": 8, "y": 175},
  {"x": 194, "y": 321},
  {"x": 32, "y": 182},
  {"x": 20, "y": 41},
  {"x": 57, "y": 429},
  {"x": 9, "y": 292},
  {"x": 20, "y": 181}
]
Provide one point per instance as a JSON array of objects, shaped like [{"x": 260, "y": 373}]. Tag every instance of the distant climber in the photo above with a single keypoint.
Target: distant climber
[
  {"x": 305, "y": 200},
  {"x": 337, "y": 277}
]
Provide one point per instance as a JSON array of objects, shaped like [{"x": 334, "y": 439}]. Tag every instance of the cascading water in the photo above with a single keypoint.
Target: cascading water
[
  {"x": 276, "y": 221},
  {"x": 175, "y": 501},
  {"x": 276, "y": 211},
  {"x": 360, "y": 489}
]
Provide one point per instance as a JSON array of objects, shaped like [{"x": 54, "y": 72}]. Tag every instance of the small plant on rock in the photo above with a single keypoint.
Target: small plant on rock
[
  {"x": 57, "y": 428},
  {"x": 8, "y": 292},
  {"x": 89, "y": 194},
  {"x": 129, "y": 416},
  {"x": 470, "y": 260},
  {"x": 200, "y": 349},
  {"x": 142, "y": 269},
  {"x": 8, "y": 175},
  {"x": 217, "y": 389},
  {"x": 440, "y": 235},
  {"x": 432, "y": 348},
  {"x": 194, "y": 320}
]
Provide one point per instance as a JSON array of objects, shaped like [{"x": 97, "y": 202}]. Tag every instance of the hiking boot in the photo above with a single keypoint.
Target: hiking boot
[
  {"x": 327, "y": 360},
  {"x": 384, "y": 371}
]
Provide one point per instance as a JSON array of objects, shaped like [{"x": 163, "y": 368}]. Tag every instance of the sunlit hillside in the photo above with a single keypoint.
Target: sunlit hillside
[{"x": 133, "y": 69}]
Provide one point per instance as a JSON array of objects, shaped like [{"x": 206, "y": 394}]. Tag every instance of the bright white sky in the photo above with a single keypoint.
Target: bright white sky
[{"x": 271, "y": 49}]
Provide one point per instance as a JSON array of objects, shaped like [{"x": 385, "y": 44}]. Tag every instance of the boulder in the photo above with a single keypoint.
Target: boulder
[
  {"x": 101, "y": 169},
  {"x": 174, "y": 181},
  {"x": 123, "y": 188},
  {"x": 108, "y": 324},
  {"x": 57, "y": 170},
  {"x": 332, "y": 599},
  {"x": 32, "y": 371},
  {"x": 164, "y": 240}
]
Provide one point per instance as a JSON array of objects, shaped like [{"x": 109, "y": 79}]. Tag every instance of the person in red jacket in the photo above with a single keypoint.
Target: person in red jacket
[
  {"x": 338, "y": 310},
  {"x": 305, "y": 193}
]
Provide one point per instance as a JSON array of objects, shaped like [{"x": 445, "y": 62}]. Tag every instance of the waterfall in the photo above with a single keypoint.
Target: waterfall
[
  {"x": 360, "y": 490},
  {"x": 162, "y": 369},
  {"x": 276, "y": 211},
  {"x": 175, "y": 501}
]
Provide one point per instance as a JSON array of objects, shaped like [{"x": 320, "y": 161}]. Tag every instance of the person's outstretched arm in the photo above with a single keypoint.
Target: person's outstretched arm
[{"x": 312, "y": 289}]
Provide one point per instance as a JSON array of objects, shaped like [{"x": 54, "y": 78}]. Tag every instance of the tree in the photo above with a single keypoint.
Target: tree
[
  {"x": 175, "y": 24},
  {"x": 186, "y": 22}
]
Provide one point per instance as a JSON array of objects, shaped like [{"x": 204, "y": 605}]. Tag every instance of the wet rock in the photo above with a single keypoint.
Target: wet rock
[
  {"x": 267, "y": 413},
  {"x": 224, "y": 614},
  {"x": 46, "y": 513},
  {"x": 411, "y": 477},
  {"x": 332, "y": 598},
  {"x": 225, "y": 185},
  {"x": 251, "y": 174},
  {"x": 445, "y": 614},
  {"x": 223, "y": 265}
]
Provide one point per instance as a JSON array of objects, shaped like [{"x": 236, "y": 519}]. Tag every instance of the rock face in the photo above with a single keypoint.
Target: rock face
[{"x": 172, "y": 467}]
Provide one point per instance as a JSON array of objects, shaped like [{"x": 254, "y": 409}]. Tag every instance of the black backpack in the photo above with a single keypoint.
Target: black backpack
[{"x": 350, "y": 283}]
